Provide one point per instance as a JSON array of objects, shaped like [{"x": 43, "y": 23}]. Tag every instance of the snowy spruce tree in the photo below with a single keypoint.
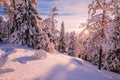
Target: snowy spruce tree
[
  {"x": 26, "y": 27},
  {"x": 61, "y": 43},
  {"x": 73, "y": 45},
  {"x": 67, "y": 41},
  {"x": 49, "y": 27},
  {"x": 54, "y": 30}
]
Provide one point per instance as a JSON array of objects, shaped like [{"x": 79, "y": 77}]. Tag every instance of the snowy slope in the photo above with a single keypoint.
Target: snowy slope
[{"x": 19, "y": 63}]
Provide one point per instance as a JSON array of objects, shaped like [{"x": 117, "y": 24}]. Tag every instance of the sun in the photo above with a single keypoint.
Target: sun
[{"x": 86, "y": 32}]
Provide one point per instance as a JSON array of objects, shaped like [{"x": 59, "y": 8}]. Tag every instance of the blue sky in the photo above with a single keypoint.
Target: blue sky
[
  {"x": 72, "y": 12},
  {"x": 1, "y": 11}
]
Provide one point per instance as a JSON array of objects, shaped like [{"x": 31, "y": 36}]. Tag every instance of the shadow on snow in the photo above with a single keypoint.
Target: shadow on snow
[
  {"x": 7, "y": 70},
  {"x": 24, "y": 59}
]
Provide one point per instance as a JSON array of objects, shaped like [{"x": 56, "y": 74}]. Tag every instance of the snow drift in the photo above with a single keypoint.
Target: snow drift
[{"x": 21, "y": 63}]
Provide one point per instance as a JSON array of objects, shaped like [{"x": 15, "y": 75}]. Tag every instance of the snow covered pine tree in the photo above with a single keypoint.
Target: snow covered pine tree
[
  {"x": 26, "y": 25},
  {"x": 73, "y": 46},
  {"x": 48, "y": 26},
  {"x": 61, "y": 43}
]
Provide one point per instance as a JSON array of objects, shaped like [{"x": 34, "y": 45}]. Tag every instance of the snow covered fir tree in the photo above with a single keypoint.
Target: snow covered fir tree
[
  {"x": 73, "y": 45},
  {"x": 61, "y": 43},
  {"x": 26, "y": 27},
  {"x": 45, "y": 40}
]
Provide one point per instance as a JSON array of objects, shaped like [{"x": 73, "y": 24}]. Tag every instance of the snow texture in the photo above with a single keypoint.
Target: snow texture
[{"x": 21, "y": 65}]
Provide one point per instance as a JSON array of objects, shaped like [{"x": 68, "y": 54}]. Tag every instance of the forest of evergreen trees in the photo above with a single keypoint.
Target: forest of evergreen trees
[{"x": 25, "y": 26}]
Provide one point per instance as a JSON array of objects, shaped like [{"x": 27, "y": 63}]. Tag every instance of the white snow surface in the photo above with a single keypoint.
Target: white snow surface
[{"x": 18, "y": 63}]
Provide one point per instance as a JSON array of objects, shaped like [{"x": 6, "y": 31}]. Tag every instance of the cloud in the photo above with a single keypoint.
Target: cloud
[
  {"x": 75, "y": 7},
  {"x": 72, "y": 12}
]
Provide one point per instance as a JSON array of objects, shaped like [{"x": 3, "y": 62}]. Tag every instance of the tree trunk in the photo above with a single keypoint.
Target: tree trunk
[{"x": 100, "y": 58}]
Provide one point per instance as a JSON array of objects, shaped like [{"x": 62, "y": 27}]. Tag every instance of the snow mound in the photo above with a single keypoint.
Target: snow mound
[
  {"x": 40, "y": 54},
  {"x": 51, "y": 48}
]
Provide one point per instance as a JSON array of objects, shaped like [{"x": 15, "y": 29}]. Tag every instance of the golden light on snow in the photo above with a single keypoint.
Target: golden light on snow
[{"x": 86, "y": 32}]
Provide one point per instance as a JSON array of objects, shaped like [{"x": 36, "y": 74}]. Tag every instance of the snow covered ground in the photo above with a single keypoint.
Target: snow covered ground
[{"x": 22, "y": 63}]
